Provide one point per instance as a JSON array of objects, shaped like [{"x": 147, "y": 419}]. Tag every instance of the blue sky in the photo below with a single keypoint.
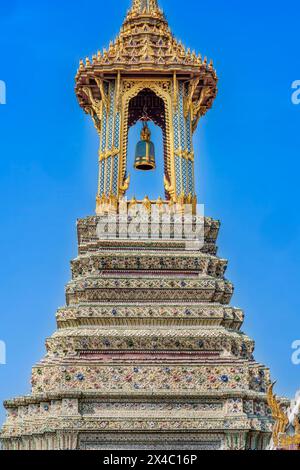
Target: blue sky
[{"x": 247, "y": 163}]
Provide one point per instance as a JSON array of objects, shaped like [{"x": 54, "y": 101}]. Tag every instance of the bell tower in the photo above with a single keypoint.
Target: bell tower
[
  {"x": 148, "y": 352},
  {"x": 146, "y": 70}
]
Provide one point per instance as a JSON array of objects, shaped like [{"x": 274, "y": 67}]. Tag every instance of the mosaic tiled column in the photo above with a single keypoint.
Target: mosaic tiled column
[
  {"x": 109, "y": 154},
  {"x": 183, "y": 146}
]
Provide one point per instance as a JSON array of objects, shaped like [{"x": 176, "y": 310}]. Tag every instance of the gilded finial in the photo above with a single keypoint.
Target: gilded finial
[
  {"x": 146, "y": 133},
  {"x": 160, "y": 204},
  {"x": 144, "y": 6},
  {"x": 147, "y": 203},
  {"x": 132, "y": 203}
]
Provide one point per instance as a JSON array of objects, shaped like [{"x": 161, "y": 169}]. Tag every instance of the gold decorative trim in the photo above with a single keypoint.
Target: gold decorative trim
[
  {"x": 104, "y": 97},
  {"x": 108, "y": 153},
  {"x": 189, "y": 99},
  {"x": 281, "y": 438},
  {"x": 185, "y": 154}
]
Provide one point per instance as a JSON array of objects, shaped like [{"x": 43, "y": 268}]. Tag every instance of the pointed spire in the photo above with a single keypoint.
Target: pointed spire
[{"x": 140, "y": 6}]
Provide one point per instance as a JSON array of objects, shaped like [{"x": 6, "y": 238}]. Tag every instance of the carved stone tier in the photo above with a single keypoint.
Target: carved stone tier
[
  {"x": 150, "y": 314},
  {"x": 129, "y": 341},
  {"x": 89, "y": 239},
  {"x": 112, "y": 262},
  {"x": 157, "y": 290}
]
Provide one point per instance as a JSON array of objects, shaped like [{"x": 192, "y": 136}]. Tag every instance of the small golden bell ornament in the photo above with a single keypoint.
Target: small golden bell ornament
[{"x": 145, "y": 151}]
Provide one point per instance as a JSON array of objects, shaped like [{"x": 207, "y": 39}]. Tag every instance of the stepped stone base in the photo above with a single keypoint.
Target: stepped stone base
[{"x": 149, "y": 354}]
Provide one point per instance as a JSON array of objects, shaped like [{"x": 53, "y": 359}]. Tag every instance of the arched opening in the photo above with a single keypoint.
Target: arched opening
[{"x": 147, "y": 104}]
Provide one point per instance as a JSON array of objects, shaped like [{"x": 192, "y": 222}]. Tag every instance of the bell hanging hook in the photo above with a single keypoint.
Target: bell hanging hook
[{"x": 145, "y": 117}]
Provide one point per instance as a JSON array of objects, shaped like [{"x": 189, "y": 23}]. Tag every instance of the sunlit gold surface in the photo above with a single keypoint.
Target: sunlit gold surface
[{"x": 281, "y": 440}]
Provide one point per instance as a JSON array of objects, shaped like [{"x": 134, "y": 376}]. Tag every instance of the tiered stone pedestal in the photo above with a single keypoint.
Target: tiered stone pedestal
[{"x": 148, "y": 354}]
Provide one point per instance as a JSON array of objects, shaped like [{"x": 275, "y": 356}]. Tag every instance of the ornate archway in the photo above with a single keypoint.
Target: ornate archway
[{"x": 135, "y": 94}]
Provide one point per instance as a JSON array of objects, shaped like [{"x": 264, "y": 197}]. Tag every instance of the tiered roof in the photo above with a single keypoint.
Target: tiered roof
[{"x": 146, "y": 45}]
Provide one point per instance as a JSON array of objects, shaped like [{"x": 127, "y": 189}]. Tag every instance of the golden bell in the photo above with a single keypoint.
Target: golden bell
[{"x": 145, "y": 151}]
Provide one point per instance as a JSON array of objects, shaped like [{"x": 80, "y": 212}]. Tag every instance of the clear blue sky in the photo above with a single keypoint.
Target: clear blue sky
[{"x": 247, "y": 153}]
